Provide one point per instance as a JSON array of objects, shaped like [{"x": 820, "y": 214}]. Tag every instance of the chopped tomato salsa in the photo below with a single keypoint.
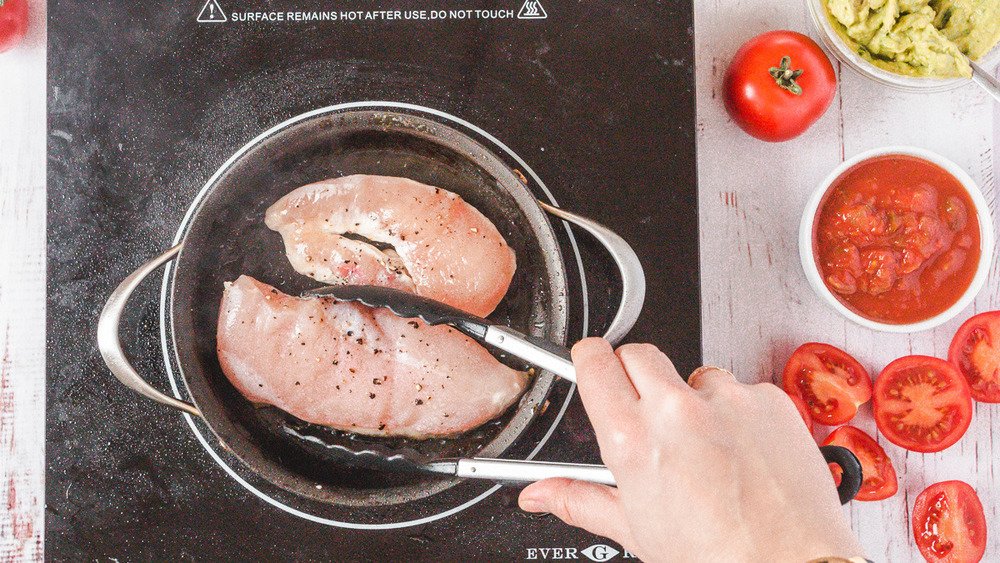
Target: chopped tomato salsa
[{"x": 896, "y": 239}]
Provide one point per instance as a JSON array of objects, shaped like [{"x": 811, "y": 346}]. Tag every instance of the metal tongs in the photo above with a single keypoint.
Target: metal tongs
[
  {"x": 536, "y": 351},
  {"x": 407, "y": 460}
]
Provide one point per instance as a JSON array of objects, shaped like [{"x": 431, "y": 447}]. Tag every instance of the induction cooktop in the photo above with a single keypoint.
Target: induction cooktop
[{"x": 592, "y": 100}]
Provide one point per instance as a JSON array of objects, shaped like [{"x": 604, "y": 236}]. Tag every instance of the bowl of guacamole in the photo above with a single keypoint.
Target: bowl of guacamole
[{"x": 917, "y": 44}]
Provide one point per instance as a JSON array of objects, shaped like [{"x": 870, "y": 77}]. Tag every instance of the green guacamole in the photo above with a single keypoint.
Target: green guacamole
[{"x": 919, "y": 37}]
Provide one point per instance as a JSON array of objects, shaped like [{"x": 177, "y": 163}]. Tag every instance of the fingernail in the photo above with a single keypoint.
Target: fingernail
[{"x": 530, "y": 505}]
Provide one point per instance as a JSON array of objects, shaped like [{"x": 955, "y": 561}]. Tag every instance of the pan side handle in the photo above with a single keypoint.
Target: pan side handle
[
  {"x": 633, "y": 277},
  {"x": 110, "y": 345}
]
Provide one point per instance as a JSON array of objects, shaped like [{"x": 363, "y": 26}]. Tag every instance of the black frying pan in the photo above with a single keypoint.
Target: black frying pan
[{"x": 226, "y": 237}]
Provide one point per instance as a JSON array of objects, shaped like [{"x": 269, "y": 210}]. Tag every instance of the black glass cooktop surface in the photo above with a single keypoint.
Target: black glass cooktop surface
[{"x": 148, "y": 99}]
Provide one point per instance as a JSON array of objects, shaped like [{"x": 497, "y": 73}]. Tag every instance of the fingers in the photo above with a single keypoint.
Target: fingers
[
  {"x": 606, "y": 390},
  {"x": 595, "y": 508},
  {"x": 649, "y": 369},
  {"x": 711, "y": 379}
]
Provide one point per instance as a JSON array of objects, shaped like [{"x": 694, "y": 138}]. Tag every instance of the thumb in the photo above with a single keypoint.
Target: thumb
[{"x": 595, "y": 508}]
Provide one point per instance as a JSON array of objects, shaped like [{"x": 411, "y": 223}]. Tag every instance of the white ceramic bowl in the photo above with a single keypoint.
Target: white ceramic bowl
[
  {"x": 986, "y": 238},
  {"x": 845, "y": 53}
]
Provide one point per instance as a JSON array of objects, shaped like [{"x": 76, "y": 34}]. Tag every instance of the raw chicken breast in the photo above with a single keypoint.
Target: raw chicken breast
[
  {"x": 358, "y": 369},
  {"x": 441, "y": 247}
]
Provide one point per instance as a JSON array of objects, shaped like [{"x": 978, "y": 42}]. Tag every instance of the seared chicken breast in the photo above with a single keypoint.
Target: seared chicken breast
[
  {"x": 358, "y": 369},
  {"x": 395, "y": 232}
]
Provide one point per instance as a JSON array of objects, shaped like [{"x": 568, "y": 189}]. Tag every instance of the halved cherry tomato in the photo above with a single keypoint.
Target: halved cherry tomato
[
  {"x": 948, "y": 523},
  {"x": 830, "y": 382},
  {"x": 803, "y": 411},
  {"x": 876, "y": 468},
  {"x": 922, "y": 403},
  {"x": 975, "y": 351}
]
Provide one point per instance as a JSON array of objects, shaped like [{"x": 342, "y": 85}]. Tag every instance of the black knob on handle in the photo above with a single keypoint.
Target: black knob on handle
[{"x": 852, "y": 476}]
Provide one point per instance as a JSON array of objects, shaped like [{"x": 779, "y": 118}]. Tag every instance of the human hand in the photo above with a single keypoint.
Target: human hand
[{"x": 712, "y": 471}]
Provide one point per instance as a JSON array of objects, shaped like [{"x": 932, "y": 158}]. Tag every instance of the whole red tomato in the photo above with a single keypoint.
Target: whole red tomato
[
  {"x": 13, "y": 23},
  {"x": 778, "y": 85}
]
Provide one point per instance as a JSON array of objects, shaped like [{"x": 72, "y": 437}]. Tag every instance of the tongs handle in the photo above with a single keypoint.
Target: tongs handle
[
  {"x": 519, "y": 471},
  {"x": 536, "y": 351},
  {"x": 553, "y": 357}
]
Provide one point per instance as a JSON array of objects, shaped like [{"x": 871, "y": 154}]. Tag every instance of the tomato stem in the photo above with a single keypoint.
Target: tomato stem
[{"x": 784, "y": 76}]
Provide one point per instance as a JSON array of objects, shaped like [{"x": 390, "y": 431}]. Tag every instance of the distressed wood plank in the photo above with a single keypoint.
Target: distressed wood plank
[
  {"x": 22, "y": 294},
  {"x": 757, "y": 305}
]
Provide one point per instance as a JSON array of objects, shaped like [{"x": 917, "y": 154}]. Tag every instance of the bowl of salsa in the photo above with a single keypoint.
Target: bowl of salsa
[{"x": 897, "y": 239}]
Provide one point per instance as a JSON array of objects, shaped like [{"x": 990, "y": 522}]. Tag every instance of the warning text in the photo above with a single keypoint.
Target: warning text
[{"x": 373, "y": 15}]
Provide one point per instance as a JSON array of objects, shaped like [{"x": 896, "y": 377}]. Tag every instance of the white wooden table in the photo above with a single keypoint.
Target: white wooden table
[
  {"x": 22, "y": 294},
  {"x": 756, "y": 304}
]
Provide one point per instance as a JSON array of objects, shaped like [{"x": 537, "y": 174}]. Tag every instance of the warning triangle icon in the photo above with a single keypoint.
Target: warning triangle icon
[
  {"x": 532, "y": 10},
  {"x": 212, "y": 13}
]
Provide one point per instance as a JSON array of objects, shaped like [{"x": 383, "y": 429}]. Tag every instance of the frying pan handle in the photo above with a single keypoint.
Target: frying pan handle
[
  {"x": 852, "y": 476},
  {"x": 633, "y": 278},
  {"x": 110, "y": 345}
]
